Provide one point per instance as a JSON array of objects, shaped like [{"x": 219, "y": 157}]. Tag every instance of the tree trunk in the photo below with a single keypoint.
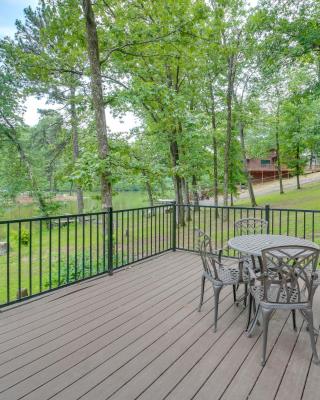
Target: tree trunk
[
  {"x": 298, "y": 166},
  {"x": 215, "y": 147},
  {"x": 75, "y": 147},
  {"x": 97, "y": 99},
  {"x": 245, "y": 167},
  {"x": 174, "y": 151},
  {"x": 186, "y": 197},
  {"x": 149, "y": 189},
  {"x": 278, "y": 153},
  {"x": 195, "y": 192},
  {"x": 226, "y": 171},
  {"x": 34, "y": 185},
  {"x": 311, "y": 159}
]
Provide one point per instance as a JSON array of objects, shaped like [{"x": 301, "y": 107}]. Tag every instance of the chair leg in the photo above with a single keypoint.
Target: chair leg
[
  {"x": 254, "y": 321},
  {"x": 308, "y": 315},
  {"x": 203, "y": 282},
  {"x": 234, "y": 293},
  {"x": 249, "y": 311},
  {"x": 265, "y": 325},
  {"x": 216, "y": 292},
  {"x": 294, "y": 323},
  {"x": 245, "y": 294}
]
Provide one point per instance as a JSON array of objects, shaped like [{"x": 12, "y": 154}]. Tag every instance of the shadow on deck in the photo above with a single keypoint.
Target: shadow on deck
[{"x": 138, "y": 335}]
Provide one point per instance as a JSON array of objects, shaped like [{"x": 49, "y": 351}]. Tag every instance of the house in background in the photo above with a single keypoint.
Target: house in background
[{"x": 265, "y": 169}]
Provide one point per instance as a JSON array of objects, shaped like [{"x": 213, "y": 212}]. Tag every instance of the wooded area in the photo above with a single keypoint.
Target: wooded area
[{"x": 212, "y": 82}]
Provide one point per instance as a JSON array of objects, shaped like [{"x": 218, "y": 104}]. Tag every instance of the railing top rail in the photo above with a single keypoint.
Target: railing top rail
[
  {"x": 53, "y": 217},
  {"x": 144, "y": 208},
  {"x": 259, "y": 208},
  {"x": 294, "y": 210}
]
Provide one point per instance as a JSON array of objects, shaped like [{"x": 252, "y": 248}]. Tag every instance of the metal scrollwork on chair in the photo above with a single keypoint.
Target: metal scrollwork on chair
[
  {"x": 217, "y": 271},
  {"x": 250, "y": 226},
  {"x": 286, "y": 282}
]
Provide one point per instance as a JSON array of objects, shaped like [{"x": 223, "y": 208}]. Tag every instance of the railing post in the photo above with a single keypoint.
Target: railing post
[
  {"x": 110, "y": 241},
  {"x": 174, "y": 225},
  {"x": 267, "y": 214}
]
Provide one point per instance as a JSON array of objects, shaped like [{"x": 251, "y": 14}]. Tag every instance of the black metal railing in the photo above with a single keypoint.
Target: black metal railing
[
  {"x": 38, "y": 255},
  {"x": 45, "y": 253}
]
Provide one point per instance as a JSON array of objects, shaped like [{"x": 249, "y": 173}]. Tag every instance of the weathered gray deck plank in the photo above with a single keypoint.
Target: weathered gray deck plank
[
  {"x": 87, "y": 345},
  {"x": 96, "y": 302},
  {"x": 55, "y": 301},
  {"x": 138, "y": 335}
]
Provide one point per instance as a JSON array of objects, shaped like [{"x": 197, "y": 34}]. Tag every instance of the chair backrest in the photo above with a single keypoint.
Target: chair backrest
[
  {"x": 250, "y": 226},
  {"x": 288, "y": 273},
  {"x": 209, "y": 257}
]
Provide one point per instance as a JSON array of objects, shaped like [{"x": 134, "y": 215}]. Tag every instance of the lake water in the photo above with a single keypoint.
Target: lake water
[{"x": 121, "y": 200}]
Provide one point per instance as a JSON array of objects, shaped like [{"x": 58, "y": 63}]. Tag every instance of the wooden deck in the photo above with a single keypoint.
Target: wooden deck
[{"x": 138, "y": 335}]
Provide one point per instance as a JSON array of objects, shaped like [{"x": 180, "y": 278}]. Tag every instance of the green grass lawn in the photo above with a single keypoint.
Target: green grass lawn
[{"x": 308, "y": 197}]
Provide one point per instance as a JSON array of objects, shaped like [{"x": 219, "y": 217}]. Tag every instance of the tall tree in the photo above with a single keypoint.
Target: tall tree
[{"x": 98, "y": 102}]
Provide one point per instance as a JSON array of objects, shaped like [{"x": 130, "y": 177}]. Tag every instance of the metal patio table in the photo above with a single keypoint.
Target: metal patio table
[{"x": 253, "y": 245}]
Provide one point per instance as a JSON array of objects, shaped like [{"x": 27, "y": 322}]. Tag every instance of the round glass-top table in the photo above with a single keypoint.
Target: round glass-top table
[{"x": 254, "y": 244}]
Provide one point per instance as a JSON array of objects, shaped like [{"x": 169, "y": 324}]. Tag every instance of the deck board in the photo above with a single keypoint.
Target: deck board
[{"x": 138, "y": 335}]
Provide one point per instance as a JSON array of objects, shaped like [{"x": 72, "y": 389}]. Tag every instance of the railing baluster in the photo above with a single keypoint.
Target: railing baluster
[
  {"x": 40, "y": 257},
  {"x": 280, "y": 222},
  {"x": 151, "y": 218},
  {"x": 83, "y": 246},
  {"x": 156, "y": 229},
  {"x": 159, "y": 229},
  {"x": 117, "y": 240},
  {"x": 128, "y": 236},
  {"x": 194, "y": 226},
  {"x": 147, "y": 229},
  {"x": 97, "y": 244},
  {"x": 19, "y": 260},
  {"x": 30, "y": 258},
  {"x": 122, "y": 240},
  {"x": 210, "y": 224},
  {"x": 59, "y": 252},
  {"x": 68, "y": 250},
  {"x": 132, "y": 238},
  {"x": 142, "y": 233},
  {"x": 138, "y": 234},
  {"x": 104, "y": 241},
  {"x": 8, "y": 262},
  {"x": 76, "y": 248},
  {"x": 216, "y": 228},
  {"x": 313, "y": 225},
  {"x": 221, "y": 227},
  {"x": 110, "y": 241}
]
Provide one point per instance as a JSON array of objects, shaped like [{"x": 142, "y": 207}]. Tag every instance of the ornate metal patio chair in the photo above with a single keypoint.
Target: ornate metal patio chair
[
  {"x": 217, "y": 271},
  {"x": 285, "y": 282},
  {"x": 248, "y": 226}
]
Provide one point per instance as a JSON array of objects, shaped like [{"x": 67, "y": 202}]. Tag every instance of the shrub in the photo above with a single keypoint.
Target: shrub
[{"x": 25, "y": 237}]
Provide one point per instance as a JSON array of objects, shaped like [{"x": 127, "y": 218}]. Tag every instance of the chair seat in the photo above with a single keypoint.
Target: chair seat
[
  {"x": 230, "y": 274},
  {"x": 273, "y": 296}
]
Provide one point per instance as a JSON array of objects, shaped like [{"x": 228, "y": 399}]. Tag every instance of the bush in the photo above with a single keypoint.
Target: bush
[{"x": 25, "y": 237}]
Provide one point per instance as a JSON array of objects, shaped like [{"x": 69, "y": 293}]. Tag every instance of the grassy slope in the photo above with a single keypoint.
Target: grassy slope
[{"x": 306, "y": 198}]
